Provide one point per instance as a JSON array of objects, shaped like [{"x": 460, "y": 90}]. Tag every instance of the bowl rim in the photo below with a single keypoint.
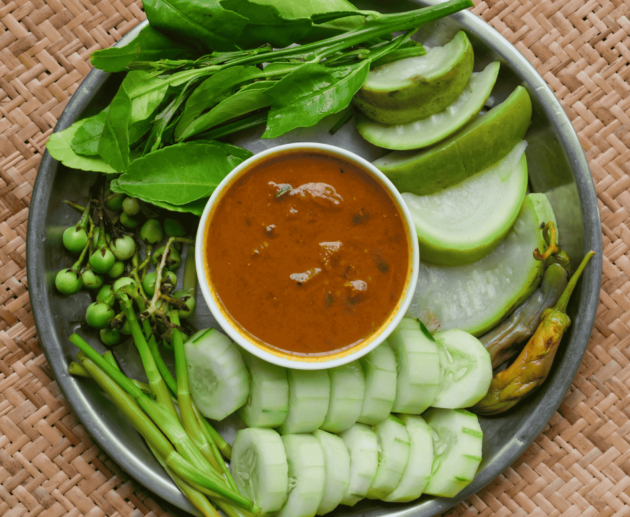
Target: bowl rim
[
  {"x": 523, "y": 436},
  {"x": 286, "y": 359}
]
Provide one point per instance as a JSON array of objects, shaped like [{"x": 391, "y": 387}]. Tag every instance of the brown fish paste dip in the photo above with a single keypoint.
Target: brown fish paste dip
[{"x": 307, "y": 252}]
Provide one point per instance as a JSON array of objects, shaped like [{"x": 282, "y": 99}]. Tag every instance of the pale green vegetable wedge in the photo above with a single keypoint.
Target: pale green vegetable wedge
[
  {"x": 418, "y": 469},
  {"x": 259, "y": 467},
  {"x": 428, "y": 131},
  {"x": 465, "y": 222},
  {"x": 475, "y": 297},
  {"x": 307, "y": 475},
  {"x": 217, "y": 375},
  {"x": 363, "y": 448},
  {"x": 478, "y": 145},
  {"x": 268, "y": 400},
  {"x": 393, "y": 454},
  {"x": 309, "y": 392},
  {"x": 337, "y": 464},
  {"x": 417, "y": 87},
  {"x": 457, "y": 439},
  {"x": 379, "y": 368},
  {"x": 347, "y": 391},
  {"x": 418, "y": 368}
]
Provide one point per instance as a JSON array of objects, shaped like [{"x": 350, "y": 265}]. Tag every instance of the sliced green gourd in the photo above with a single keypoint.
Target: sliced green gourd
[
  {"x": 347, "y": 391},
  {"x": 475, "y": 297},
  {"x": 259, "y": 467},
  {"x": 465, "y": 222},
  {"x": 417, "y": 87},
  {"x": 379, "y": 368},
  {"x": 309, "y": 392},
  {"x": 268, "y": 400},
  {"x": 393, "y": 454},
  {"x": 457, "y": 439},
  {"x": 217, "y": 375},
  {"x": 418, "y": 469},
  {"x": 363, "y": 449},
  {"x": 466, "y": 369},
  {"x": 337, "y": 465},
  {"x": 475, "y": 147},
  {"x": 307, "y": 475},
  {"x": 418, "y": 368},
  {"x": 427, "y": 131}
]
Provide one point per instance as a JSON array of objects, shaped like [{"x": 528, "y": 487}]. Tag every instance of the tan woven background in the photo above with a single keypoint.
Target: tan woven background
[{"x": 580, "y": 465}]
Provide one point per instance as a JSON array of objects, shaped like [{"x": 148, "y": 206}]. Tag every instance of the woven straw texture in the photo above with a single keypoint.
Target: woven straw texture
[{"x": 579, "y": 465}]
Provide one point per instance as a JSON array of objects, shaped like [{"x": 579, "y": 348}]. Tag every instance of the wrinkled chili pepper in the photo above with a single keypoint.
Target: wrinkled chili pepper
[
  {"x": 503, "y": 341},
  {"x": 531, "y": 367},
  {"x": 553, "y": 253}
]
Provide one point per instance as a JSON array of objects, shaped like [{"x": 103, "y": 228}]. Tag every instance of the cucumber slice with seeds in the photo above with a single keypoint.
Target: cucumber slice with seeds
[
  {"x": 379, "y": 368},
  {"x": 418, "y": 369},
  {"x": 259, "y": 467},
  {"x": 425, "y": 132},
  {"x": 309, "y": 392},
  {"x": 418, "y": 469},
  {"x": 363, "y": 449},
  {"x": 268, "y": 400},
  {"x": 337, "y": 464},
  {"x": 307, "y": 475},
  {"x": 347, "y": 390},
  {"x": 465, "y": 222},
  {"x": 475, "y": 297},
  {"x": 393, "y": 454},
  {"x": 466, "y": 370},
  {"x": 218, "y": 378},
  {"x": 457, "y": 438}
]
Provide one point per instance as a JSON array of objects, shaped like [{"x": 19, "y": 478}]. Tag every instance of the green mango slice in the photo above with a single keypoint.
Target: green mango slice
[
  {"x": 478, "y": 145},
  {"x": 417, "y": 87},
  {"x": 428, "y": 131},
  {"x": 475, "y": 297},
  {"x": 464, "y": 223}
]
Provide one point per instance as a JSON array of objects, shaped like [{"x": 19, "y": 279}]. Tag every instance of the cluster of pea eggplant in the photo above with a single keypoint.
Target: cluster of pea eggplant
[{"x": 110, "y": 251}]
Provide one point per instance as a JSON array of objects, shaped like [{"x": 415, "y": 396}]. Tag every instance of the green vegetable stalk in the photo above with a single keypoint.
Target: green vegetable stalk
[{"x": 531, "y": 367}]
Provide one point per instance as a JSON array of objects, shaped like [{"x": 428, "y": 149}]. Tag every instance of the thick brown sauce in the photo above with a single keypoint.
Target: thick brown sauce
[{"x": 307, "y": 253}]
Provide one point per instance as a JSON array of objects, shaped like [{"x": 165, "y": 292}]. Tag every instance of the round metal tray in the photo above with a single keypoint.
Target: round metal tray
[{"x": 557, "y": 166}]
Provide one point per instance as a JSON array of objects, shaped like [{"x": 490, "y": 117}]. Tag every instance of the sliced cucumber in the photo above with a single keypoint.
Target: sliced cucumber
[
  {"x": 363, "y": 449},
  {"x": 466, "y": 370},
  {"x": 268, "y": 400},
  {"x": 379, "y": 368},
  {"x": 465, "y": 222},
  {"x": 307, "y": 475},
  {"x": 309, "y": 392},
  {"x": 417, "y": 87},
  {"x": 418, "y": 469},
  {"x": 427, "y": 131},
  {"x": 393, "y": 454},
  {"x": 217, "y": 375},
  {"x": 408, "y": 324},
  {"x": 478, "y": 145},
  {"x": 337, "y": 464},
  {"x": 457, "y": 440},
  {"x": 347, "y": 390},
  {"x": 259, "y": 467},
  {"x": 418, "y": 369},
  {"x": 475, "y": 297}
]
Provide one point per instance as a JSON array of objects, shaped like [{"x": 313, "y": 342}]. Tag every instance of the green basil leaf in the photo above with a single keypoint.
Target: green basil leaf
[
  {"x": 250, "y": 98},
  {"x": 203, "y": 24},
  {"x": 86, "y": 139},
  {"x": 194, "y": 207},
  {"x": 148, "y": 45},
  {"x": 213, "y": 90},
  {"x": 60, "y": 148},
  {"x": 182, "y": 173},
  {"x": 144, "y": 101},
  {"x": 113, "y": 146}
]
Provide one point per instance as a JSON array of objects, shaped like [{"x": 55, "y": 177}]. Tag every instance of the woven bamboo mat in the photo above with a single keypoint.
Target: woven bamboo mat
[{"x": 579, "y": 465}]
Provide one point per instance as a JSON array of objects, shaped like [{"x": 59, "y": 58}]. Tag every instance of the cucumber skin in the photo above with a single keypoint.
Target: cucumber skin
[
  {"x": 432, "y": 251},
  {"x": 423, "y": 97},
  {"x": 478, "y": 145}
]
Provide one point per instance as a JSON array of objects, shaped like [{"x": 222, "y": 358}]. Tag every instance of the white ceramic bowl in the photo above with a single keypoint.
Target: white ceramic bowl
[{"x": 274, "y": 355}]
